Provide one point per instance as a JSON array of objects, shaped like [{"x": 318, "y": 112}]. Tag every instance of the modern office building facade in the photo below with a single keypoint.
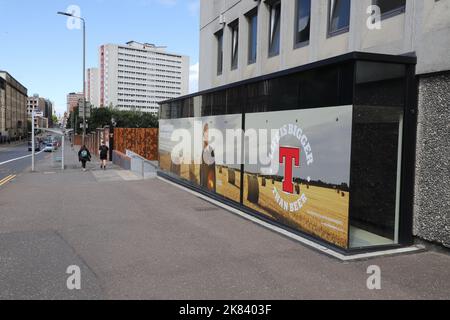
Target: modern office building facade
[
  {"x": 93, "y": 87},
  {"x": 13, "y": 108},
  {"x": 137, "y": 76},
  {"x": 388, "y": 64}
]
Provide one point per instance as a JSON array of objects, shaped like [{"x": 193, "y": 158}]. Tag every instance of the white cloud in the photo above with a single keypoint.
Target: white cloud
[{"x": 193, "y": 77}]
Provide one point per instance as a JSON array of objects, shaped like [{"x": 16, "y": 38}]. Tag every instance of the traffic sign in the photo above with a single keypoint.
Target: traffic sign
[{"x": 81, "y": 110}]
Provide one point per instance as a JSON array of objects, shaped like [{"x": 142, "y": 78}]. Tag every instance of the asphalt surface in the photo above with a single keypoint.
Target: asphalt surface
[
  {"x": 11, "y": 152},
  {"x": 151, "y": 240}
]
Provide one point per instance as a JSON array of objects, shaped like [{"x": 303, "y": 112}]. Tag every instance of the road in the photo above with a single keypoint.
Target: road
[{"x": 14, "y": 160}]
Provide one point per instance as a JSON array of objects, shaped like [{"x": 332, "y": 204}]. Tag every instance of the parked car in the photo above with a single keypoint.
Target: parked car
[
  {"x": 37, "y": 146},
  {"x": 49, "y": 147}
]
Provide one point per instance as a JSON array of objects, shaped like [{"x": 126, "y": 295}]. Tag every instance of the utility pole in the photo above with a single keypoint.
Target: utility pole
[
  {"x": 33, "y": 147},
  {"x": 84, "y": 69},
  {"x": 74, "y": 120},
  {"x": 84, "y": 80},
  {"x": 62, "y": 150}
]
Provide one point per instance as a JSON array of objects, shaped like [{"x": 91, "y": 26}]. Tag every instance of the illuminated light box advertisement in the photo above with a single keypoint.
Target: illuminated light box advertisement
[{"x": 301, "y": 176}]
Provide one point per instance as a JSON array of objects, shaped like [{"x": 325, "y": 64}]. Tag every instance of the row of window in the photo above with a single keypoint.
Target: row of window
[
  {"x": 148, "y": 91},
  {"x": 137, "y": 107},
  {"x": 148, "y": 58},
  {"x": 338, "y": 23},
  {"x": 134, "y": 62},
  {"x": 157, "y": 75},
  {"x": 148, "y": 69},
  {"x": 145, "y": 96},
  {"x": 145, "y": 85},
  {"x": 141, "y": 79},
  {"x": 148, "y": 85},
  {"x": 143, "y": 101}
]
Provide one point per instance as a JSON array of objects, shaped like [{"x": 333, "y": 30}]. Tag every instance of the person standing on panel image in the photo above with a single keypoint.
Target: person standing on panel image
[{"x": 208, "y": 166}]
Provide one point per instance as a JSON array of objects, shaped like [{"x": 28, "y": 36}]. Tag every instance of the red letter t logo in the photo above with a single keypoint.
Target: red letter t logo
[{"x": 287, "y": 155}]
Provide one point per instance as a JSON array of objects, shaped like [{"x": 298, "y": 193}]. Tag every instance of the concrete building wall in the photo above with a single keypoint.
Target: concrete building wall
[
  {"x": 93, "y": 86},
  {"x": 42, "y": 106},
  {"x": 72, "y": 100},
  {"x": 35, "y": 103},
  {"x": 48, "y": 112},
  {"x": 15, "y": 107},
  {"x": 109, "y": 84},
  {"x": 424, "y": 24},
  {"x": 432, "y": 195},
  {"x": 422, "y": 29},
  {"x": 138, "y": 76},
  {"x": 2, "y": 107}
]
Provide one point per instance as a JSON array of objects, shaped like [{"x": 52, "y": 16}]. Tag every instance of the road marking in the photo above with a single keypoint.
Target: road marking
[
  {"x": 24, "y": 157},
  {"x": 7, "y": 179},
  {"x": 1, "y": 181}
]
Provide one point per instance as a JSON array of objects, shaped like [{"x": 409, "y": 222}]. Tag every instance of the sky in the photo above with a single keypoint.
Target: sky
[{"x": 41, "y": 52}]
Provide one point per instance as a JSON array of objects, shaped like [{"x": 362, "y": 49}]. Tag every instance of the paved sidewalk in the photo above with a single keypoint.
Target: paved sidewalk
[
  {"x": 72, "y": 164},
  {"x": 151, "y": 240}
]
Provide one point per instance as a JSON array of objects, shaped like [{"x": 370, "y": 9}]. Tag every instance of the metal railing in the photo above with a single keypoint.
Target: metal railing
[{"x": 141, "y": 165}]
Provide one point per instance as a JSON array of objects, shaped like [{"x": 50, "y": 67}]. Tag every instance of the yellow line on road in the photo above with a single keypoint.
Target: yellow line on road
[{"x": 7, "y": 179}]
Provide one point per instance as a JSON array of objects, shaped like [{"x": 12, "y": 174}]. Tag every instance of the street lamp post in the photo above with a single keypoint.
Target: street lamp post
[
  {"x": 33, "y": 147},
  {"x": 84, "y": 71}
]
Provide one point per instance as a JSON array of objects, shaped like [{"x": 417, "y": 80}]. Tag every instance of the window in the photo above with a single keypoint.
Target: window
[
  {"x": 252, "y": 36},
  {"x": 219, "y": 37},
  {"x": 234, "y": 44},
  {"x": 390, "y": 7},
  {"x": 302, "y": 22},
  {"x": 274, "y": 32},
  {"x": 339, "y": 17}
]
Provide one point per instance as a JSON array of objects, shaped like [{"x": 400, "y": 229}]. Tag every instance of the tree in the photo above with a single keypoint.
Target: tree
[
  {"x": 78, "y": 121},
  {"x": 101, "y": 117},
  {"x": 54, "y": 119}
]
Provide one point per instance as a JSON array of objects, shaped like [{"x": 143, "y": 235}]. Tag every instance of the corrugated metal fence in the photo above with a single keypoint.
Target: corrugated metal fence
[{"x": 143, "y": 141}]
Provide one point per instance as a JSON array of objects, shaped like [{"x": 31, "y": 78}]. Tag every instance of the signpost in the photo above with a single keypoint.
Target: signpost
[
  {"x": 33, "y": 147},
  {"x": 82, "y": 110},
  {"x": 56, "y": 132}
]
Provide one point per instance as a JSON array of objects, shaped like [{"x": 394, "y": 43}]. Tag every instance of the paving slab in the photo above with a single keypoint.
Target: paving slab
[{"x": 33, "y": 266}]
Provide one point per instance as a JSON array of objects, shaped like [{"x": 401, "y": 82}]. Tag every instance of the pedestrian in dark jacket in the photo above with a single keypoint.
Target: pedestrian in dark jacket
[
  {"x": 84, "y": 156},
  {"x": 103, "y": 155}
]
